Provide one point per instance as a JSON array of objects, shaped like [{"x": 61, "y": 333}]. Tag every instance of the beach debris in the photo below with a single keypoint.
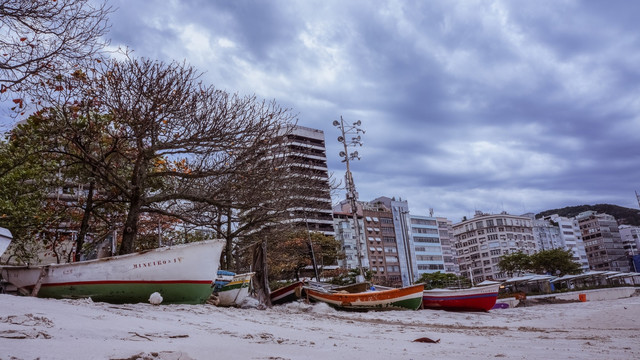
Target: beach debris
[
  {"x": 161, "y": 355},
  {"x": 426, "y": 340},
  {"x": 155, "y": 298},
  {"x": 24, "y": 334}
]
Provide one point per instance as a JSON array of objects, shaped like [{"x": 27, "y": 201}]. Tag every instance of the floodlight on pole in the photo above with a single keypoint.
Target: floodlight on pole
[{"x": 352, "y": 194}]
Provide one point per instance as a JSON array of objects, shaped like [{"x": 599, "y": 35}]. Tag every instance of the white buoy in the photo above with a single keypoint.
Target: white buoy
[{"x": 155, "y": 298}]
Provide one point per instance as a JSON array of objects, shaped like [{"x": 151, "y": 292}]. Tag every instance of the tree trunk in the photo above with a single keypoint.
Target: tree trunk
[
  {"x": 84, "y": 226},
  {"x": 228, "y": 251},
  {"x": 130, "y": 228}
]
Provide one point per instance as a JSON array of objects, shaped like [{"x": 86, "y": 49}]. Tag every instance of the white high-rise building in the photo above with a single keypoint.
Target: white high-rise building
[
  {"x": 570, "y": 238},
  {"x": 630, "y": 239},
  {"x": 307, "y": 149},
  {"x": 345, "y": 233},
  {"x": 481, "y": 242},
  {"x": 427, "y": 246},
  {"x": 449, "y": 254}
]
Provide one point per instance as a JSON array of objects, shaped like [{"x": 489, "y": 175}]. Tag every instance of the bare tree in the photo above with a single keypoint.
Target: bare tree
[
  {"x": 44, "y": 37},
  {"x": 166, "y": 143}
]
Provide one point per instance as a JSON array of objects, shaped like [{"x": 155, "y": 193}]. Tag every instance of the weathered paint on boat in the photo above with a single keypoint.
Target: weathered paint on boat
[
  {"x": 291, "y": 292},
  {"x": 481, "y": 298},
  {"x": 409, "y": 297},
  {"x": 235, "y": 291},
  {"x": 181, "y": 274}
]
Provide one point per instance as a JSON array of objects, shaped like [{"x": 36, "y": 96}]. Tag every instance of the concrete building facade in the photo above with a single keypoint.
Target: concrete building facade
[
  {"x": 346, "y": 235},
  {"x": 427, "y": 245},
  {"x": 570, "y": 238},
  {"x": 382, "y": 244},
  {"x": 603, "y": 244},
  {"x": 449, "y": 254},
  {"x": 630, "y": 236},
  {"x": 406, "y": 255},
  {"x": 481, "y": 241},
  {"x": 307, "y": 149}
]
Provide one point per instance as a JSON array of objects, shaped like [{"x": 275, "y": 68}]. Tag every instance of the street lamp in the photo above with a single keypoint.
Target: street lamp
[{"x": 352, "y": 194}]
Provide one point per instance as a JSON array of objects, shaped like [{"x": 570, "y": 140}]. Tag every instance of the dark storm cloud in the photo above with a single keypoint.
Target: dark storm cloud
[{"x": 470, "y": 105}]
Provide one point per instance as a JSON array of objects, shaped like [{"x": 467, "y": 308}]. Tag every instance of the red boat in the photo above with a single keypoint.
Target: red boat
[
  {"x": 286, "y": 294},
  {"x": 481, "y": 298}
]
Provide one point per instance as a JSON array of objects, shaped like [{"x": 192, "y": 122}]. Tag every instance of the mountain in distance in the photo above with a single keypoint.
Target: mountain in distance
[{"x": 625, "y": 216}]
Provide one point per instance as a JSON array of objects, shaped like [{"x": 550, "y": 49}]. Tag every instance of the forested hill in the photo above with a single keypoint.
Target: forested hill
[{"x": 622, "y": 214}]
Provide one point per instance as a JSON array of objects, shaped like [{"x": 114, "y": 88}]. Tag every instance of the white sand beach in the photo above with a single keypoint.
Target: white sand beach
[{"x": 32, "y": 328}]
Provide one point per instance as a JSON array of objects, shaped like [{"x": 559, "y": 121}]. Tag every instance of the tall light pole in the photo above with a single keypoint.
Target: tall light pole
[{"x": 352, "y": 194}]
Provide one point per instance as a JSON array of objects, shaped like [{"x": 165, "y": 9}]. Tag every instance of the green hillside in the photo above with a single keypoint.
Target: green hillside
[{"x": 622, "y": 214}]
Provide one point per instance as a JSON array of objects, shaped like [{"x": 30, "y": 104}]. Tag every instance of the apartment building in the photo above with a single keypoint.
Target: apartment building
[
  {"x": 482, "y": 240},
  {"x": 406, "y": 253},
  {"x": 307, "y": 148},
  {"x": 382, "y": 244},
  {"x": 570, "y": 238},
  {"x": 427, "y": 246},
  {"x": 630, "y": 236},
  {"x": 603, "y": 244},
  {"x": 449, "y": 254},
  {"x": 345, "y": 233}
]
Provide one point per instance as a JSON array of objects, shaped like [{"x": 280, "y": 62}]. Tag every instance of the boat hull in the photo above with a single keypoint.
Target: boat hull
[
  {"x": 409, "y": 297},
  {"x": 289, "y": 293},
  {"x": 182, "y": 274},
  {"x": 472, "y": 299},
  {"x": 235, "y": 291}
]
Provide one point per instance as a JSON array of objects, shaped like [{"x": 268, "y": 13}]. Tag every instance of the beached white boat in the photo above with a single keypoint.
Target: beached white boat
[
  {"x": 181, "y": 274},
  {"x": 231, "y": 288}
]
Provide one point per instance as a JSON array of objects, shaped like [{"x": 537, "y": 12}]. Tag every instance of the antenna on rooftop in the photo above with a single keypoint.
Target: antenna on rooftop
[{"x": 638, "y": 197}]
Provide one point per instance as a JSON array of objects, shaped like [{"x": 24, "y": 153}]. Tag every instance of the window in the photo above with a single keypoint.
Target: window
[
  {"x": 419, "y": 239},
  {"x": 424, "y": 231},
  {"x": 423, "y": 222},
  {"x": 429, "y": 257}
]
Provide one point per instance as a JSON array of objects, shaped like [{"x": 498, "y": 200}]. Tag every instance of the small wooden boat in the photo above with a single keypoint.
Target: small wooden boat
[
  {"x": 409, "y": 297},
  {"x": 181, "y": 274},
  {"x": 230, "y": 288},
  {"x": 481, "y": 298},
  {"x": 285, "y": 294}
]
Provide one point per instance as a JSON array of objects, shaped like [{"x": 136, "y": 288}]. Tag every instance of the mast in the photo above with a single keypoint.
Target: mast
[{"x": 352, "y": 194}]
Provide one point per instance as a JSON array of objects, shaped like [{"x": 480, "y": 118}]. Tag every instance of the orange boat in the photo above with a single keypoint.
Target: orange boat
[{"x": 409, "y": 297}]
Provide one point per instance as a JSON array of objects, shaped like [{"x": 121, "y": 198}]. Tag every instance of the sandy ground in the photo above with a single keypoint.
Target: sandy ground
[{"x": 32, "y": 328}]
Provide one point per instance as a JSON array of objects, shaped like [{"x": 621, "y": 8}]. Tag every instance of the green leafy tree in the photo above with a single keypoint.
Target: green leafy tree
[
  {"x": 515, "y": 263},
  {"x": 554, "y": 262},
  {"x": 22, "y": 201},
  {"x": 348, "y": 276},
  {"x": 70, "y": 200},
  {"x": 286, "y": 257},
  {"x": 442, "y": 280}
]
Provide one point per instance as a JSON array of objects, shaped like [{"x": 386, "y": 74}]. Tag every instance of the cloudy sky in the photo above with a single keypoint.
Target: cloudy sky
[{"x": 517, "y": 106}]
